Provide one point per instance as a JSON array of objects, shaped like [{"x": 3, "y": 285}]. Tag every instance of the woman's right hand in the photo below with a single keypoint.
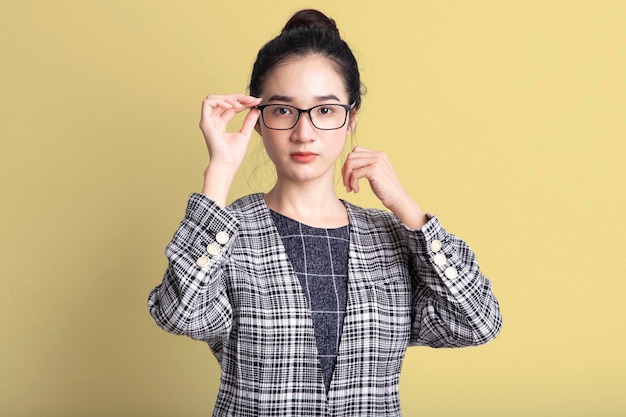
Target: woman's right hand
[{"x": 227, "y": 148}]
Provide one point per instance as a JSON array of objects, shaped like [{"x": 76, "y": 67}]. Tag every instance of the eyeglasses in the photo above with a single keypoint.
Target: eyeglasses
[{"x": 323, "y": 116}]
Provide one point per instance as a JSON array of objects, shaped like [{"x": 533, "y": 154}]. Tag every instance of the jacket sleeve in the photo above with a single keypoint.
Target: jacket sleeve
[
  {"x": 192, "y": 300},
  {"x": 453, "y": 304}
]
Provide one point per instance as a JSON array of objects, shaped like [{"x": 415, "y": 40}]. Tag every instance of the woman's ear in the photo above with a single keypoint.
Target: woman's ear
[{"x": 352, "y": 122}]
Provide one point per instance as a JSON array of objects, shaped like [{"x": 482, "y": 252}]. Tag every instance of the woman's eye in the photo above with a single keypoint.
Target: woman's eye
[
  {"x": 325, "y": 111},
  {"x": 281, "y": 111}
]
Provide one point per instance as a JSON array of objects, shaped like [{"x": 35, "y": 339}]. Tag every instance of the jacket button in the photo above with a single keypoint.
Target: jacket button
[
  {"x": 439, "y": 259},
  {"x": 213, "y": 249},
  {"x": 451, "y": 273},
  {"x": 222, "y": 238},
  {"x": 202, "y": 261},
  {"x": 435, "y": 246}
]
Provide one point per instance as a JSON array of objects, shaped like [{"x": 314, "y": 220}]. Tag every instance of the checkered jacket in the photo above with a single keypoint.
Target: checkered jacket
[{"x": 405, "y": 288}]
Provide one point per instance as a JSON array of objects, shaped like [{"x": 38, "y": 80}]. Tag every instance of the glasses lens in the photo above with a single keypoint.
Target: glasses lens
[
  {"x": 328, "y": 116},
  {"x": 325, "y": 116},
  {"x": 277, "y": 116}
]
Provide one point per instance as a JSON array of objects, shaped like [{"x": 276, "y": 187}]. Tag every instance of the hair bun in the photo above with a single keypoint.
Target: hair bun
[{"x": 311, "y": 19}]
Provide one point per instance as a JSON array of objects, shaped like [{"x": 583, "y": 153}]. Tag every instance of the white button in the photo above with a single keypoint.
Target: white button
[
  {"x": 439, "y": 259},
  {"x": 435, "y": 246},
  {"x": 213, "y": 249},
  {"x": 451, "y": 273},
  {"x": 222, "y": 238},
  {"x": 202, "y": 261}
]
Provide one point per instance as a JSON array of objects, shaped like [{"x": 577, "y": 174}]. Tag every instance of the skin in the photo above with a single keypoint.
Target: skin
[{"x": 304, "y": 189}]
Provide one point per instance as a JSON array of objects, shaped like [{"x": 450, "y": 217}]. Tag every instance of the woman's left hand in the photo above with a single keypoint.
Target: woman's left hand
[
  {"x": 376, "y": 168},
  {"x": 384, "y": 182}
]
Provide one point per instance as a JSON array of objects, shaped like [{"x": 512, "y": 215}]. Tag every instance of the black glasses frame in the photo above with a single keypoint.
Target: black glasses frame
[{"x": 347, "y": 107}]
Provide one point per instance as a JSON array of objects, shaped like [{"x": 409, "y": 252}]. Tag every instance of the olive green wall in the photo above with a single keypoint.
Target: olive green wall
[{"x": 505, "y": 118}]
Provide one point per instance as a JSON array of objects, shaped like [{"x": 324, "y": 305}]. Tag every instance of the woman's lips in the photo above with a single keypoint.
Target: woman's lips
[{"x": 303, "y": 156}]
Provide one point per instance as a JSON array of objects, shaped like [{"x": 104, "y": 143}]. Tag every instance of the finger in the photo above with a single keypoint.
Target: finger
[
  {"x": 345, "y": 176},
  {"x": 353, "y": 161},
  {"x": 354, "y": 177},
  {"x": 361, "y": 156},
  {"x": 358, "y": 148},
  {"x": 236, "y": 101},
  {"x": 241, "y": 102},
  {"x": 354, "y": 183},
  {"x": 250, "y": 101},
  {"x": 237, "y": 97},
  {"x": 346, "y": 169},
  {"x": 242, "y": 98},
  {"x": 238, "y": 106},
  {"x": 215, "y": 107},
  {"x": 223, "y": 108},
  {"x": 357, "y": 162},
  {"x": 359, "y": 166},
  {"x": 249, "y": 122},
  {"x": 351, "y": 176}
]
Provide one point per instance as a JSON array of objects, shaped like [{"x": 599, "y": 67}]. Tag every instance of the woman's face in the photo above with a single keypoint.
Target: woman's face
[{"x": 305, "y": 153}]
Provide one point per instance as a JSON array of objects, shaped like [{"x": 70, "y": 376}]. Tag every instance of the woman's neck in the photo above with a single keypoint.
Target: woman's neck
[{"x": 315, "y": 205}]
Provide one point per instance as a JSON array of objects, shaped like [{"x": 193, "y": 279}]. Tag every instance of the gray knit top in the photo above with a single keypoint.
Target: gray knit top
[{"x": 319, "y": 258}]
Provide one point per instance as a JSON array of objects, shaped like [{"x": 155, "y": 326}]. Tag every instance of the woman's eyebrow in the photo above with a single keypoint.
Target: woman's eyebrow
[
  {"x": 328, "y": 97},
  {"x": 278, "y": 97},
  {"x": 289, "y": 99}
]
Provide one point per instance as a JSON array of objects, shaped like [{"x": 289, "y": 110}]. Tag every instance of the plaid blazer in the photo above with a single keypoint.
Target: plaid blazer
[{"x": 229, "y": 283}]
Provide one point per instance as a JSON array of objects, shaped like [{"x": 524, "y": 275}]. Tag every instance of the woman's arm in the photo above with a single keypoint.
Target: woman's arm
[
  {"x": 191, "y": 300},
  {"x": 192, "y": 297},
  {"x": 453, "y": 302}
]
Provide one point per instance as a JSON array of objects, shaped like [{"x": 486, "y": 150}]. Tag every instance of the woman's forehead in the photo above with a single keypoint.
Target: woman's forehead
[{"x": 312, "y": 77}]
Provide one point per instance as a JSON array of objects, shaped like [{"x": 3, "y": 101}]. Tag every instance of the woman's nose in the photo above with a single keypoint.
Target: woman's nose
[{"x": 304, "y": 131}]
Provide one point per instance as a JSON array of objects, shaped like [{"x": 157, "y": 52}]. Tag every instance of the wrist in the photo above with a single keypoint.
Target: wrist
[
  {"x": 217, "y": 181},
  {"x": 409, "y": 213}
]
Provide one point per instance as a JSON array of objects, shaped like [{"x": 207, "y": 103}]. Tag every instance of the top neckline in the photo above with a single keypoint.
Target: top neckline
[{"x": 280, "y": 215}]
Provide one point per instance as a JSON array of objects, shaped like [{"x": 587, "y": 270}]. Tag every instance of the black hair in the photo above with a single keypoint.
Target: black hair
[{"x": 309, "y": 32}]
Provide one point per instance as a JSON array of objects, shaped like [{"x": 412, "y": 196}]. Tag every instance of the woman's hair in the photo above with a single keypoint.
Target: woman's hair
[{"x": 309, "y": 32}]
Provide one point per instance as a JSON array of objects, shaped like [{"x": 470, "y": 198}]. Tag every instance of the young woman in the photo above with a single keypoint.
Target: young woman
[{"x": 309, "y": 302}]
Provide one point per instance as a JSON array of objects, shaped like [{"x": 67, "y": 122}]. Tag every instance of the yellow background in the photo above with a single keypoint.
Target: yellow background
[{"x": 505, "y": 118}]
